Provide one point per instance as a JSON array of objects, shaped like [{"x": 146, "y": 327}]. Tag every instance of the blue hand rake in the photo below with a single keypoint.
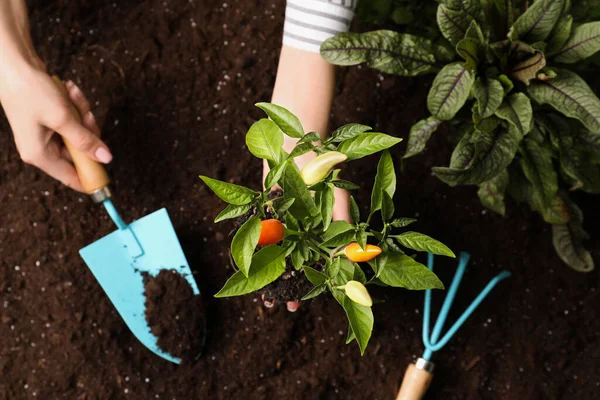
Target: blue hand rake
[{"x": 418, "y": 376}]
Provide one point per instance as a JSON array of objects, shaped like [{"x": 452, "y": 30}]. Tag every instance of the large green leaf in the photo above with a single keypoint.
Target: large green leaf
[
  {"x": 230, "y": 193},
  {"x": 267, "y": 265},
  {"x": 287, "y": 122},
  {"x": 489, "y": 94},
  {"x": 324, "y": 201},
  {"x": 385, "y": 181},
  {"x": 584, "y": 41},
  {"x": 450, "y": 91},
  {"x": 403, "y": 271},
  {"x": 366, "y": 144},
  {"x": 569, "y": 94},
  {"x": 420, "y": 134},
  {"x": 568, "y": 241},
  {"x": 275, "y": 174},
  {"x": 491, "y": 192},
  {"x": 536, "y": 163},
  {"x": 452, "y": 23},
  {"x": 560, "y": 34},
  {"x": 361, "y": 322},
  {"x": 420, "y": 242},
  {"x": 528, "y": 69},
  {"x": 244, "y": 242},
  {"x": 265, "y": 140},
  {"x": 536, "y": 24},
  {"x": 517, "y": 111},
  {"x": 577, "y": 163},
  {"x": 387, "y": 51},
  {"x": 339, "y": 233},
  {"x": 483, "y": 157},
  {"x": 294, "y": 188}
]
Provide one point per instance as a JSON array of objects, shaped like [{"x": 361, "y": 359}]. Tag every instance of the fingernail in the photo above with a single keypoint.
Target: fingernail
[
  {"x": 268, "y": 304},
  {"x": 69, "y": 84},
  {"x": 292, "y": 307},
  {"x": 103, "y": 155}
]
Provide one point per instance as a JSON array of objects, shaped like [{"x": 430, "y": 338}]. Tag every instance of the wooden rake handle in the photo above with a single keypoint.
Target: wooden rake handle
[
  {"x": 416, "y": 380},
  {"x": 92, "y": 174}
]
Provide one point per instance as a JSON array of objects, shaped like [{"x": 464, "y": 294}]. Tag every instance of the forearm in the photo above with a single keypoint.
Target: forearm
[{"x": 16, "y": 48}]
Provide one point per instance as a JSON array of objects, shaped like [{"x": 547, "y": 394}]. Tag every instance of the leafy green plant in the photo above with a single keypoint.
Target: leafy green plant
[
  {"x": 313, "y": 245},
  {"x": 527, "y": 123}
]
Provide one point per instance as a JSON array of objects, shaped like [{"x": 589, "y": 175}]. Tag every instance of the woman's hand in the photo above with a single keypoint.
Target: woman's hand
[{"x": 41, "y": 117}]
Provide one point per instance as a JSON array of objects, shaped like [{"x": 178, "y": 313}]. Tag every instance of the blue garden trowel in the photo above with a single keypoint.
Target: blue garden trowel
[{"x": 119, "y": 259}]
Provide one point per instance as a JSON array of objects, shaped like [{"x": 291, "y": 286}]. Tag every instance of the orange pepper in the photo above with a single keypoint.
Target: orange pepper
[
  {"x": 355, "y": 253},
  {"x": 271, "y": 232}
]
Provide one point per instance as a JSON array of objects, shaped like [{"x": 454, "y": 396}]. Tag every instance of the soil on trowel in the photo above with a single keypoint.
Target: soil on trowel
[{"x": 175, "y": 315}]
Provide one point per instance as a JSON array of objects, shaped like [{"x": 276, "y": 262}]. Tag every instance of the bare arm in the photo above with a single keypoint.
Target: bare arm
[{"x": 37, "y": 109}]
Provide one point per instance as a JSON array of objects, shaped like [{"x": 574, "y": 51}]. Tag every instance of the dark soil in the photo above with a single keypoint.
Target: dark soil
[
  {"x": 175, "y": 315},
  {"x": 291, "y": 286},
  {"x": 173, "y": 83}
]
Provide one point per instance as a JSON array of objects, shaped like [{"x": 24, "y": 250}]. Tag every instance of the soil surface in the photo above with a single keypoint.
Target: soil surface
[
  {"x": 175, "y": 315},
  {"x": 173, "y": 83}
]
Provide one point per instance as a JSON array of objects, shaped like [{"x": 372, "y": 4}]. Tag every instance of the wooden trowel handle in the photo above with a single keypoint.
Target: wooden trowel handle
[
  {"x": 416, "y": 382},
  {"x": 92, "y": 174}
]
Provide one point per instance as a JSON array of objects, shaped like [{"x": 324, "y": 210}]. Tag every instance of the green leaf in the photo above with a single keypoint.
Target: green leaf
[
  {"x": 491, "y": 192},
  {"x": 453, "y": 24},
  {"x": 472, "y": 51},
  {"x": 301, "y": 148},
  {"x": 333, "y": 269},
  {"x": 285, "y": 120},
  {"x": 348, "y": 131},
  {"x": 385, "y": 181},
  {"x": 366, "y": 144},
  {"x": 507, "y": 84},
  {"x": 244, "y": 242},
  {"x": 310, "y": 137},
  {"x": 387, "y": 207},
  {"x": 402, "y": 222},
  {"x": 481, "y": 157},
  {"x": 536, "y": 24},
  {"x": 386, "y": 51},
  {"x": 267, "y": 265},
  {"x": 283, "y": 206},
  {"x": 420, "y": 242},
  {"x": 265, "y": 140},
  {"x": 294, "y": 188},
  {"x": 450, "y": 91},
  {"x": 403, "y": 271},
  {"x": 339, "y": 236},
  {"x": 420, "y": 134},
  {"x": 584, "y": 41},
  {"x": 350, "y": 337},
  {"x": 570, "y": 95},
  {"x": 361, "y": 322},
  {"x": 324, "y": 200},
  {"x": 297, "y": 259},
  {"x": 560, "y": 34},
  {"x": 274, "y": 175},
  {"x": 517, "y": 110},
  {"x": 291, "y": 222},
  {"x": 539, "y": 170},
  {"x": 361, "y": 238},
  {"x": 342, "y": 184},
  {"x": 489, "y": 94},
  {"x": 349, "y": 271},
  {"x": 568, "y": 241},
  {"x": 232, "y": 211},
  {"x": 528, "y": 69},
  {"x": 315, "y": 277},
  {"x": 354, "y": 210},
  {"x": 230, "y": 193},
  {"x": 314, "y": 292}
]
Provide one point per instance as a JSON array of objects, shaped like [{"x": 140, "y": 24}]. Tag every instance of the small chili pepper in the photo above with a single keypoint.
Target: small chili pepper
[
  {"x": 271, "y": 232},
  {"x": 318, "y": 168},
  {"x": 358, "y": 293},
  {"x": 356, "y": 253}
]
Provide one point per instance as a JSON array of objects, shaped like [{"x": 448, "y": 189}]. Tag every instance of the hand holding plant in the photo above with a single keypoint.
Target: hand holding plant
[{"x": 338, "y": 257}]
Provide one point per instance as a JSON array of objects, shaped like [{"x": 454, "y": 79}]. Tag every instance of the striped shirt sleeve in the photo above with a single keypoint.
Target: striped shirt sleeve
[{"x": 308, "y": 23}]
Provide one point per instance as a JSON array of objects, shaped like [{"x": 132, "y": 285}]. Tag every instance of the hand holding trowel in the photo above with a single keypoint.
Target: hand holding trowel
[{"x": 119, "y": 259}]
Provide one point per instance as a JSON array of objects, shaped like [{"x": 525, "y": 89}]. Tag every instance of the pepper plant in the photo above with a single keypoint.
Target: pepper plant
[
  {"x": 335, "y": 256},
  {"x": 524, "y": 122}
]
